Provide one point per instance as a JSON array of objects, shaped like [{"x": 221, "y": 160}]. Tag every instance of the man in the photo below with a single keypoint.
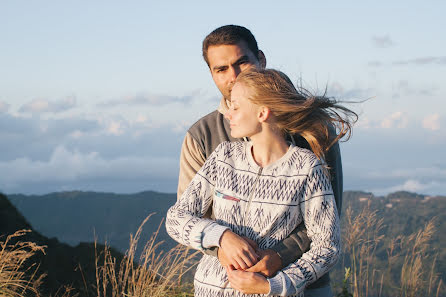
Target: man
[{"x": 228, "y": 51}]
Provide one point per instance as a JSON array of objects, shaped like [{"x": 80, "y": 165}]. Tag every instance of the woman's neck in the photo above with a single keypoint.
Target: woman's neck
[{"x": 268, "y": 146}]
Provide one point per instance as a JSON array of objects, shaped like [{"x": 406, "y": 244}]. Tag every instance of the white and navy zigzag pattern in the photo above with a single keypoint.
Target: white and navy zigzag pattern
[{"x": 293, "y": 189}]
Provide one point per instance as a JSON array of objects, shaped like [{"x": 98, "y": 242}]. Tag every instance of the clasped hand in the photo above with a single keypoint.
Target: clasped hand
[
  {"x": 238, "y": 252},
  {"x": 247, "y": 266}
]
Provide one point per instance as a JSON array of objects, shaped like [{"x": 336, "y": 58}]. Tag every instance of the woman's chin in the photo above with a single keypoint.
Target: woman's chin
[{"x": 234, "y": 134}]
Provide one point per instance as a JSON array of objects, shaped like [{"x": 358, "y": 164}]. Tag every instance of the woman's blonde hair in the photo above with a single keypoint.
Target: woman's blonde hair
[{"x": 297, "y": 111}]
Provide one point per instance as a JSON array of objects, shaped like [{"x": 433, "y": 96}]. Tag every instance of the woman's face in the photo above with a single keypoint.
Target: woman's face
[{"x": 243, "y": 115}]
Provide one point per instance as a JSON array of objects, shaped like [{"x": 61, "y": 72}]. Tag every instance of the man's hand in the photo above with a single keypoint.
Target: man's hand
[
  {"x": 222, "y": 256},
  {"x": 247, "y": 282},
  {"x": 268, "y": 264},
  {"x": 236, "y": 251}
]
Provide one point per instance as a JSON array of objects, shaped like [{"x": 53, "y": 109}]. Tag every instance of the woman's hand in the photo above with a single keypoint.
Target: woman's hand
[
  {"x": 238, "y": 252},
  {"x": 247, "y": 282}
]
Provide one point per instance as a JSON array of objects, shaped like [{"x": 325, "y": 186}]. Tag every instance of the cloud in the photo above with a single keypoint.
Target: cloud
[
  {"x": 425, "y": 173},
  {"x": 149, "y": 99},
  {"x": 422, "y": 61},
  {"x": 68, "y": 169},
  {"x": 4, "y": 107},
  {"x": 404, "y": 88},
  {"x": 107, "y": 153},
  {"x": 115, "y": 128},
  {"x": 339, "y": 92},
  {"x": 43, "y": 105},
  {"x": 35, "y": 137},
  {"x": 432, "y": 122},
  {"x": 382, "y": 41},
  {"x": 375, "y": 63},
  {"x": 390, "y": 177},
  {"x": 395, "y": 120},
  {"x": 429, "y": 60},
  {"x": 411, "y": 185}
]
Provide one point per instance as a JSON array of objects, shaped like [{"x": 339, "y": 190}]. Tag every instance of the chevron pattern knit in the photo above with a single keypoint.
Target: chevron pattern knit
[{"x": 264, "y": 204}]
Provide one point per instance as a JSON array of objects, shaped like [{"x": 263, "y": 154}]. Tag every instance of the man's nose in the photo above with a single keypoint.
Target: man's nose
[{"x": 235, "y": 71}]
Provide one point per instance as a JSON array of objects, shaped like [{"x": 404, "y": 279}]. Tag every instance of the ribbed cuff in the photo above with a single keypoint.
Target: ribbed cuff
[
  {"x": 212, "y": 235},
  {"x": 276, "y": 284}
]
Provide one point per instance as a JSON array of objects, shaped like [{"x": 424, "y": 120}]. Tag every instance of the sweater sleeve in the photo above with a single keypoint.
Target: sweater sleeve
[
  {"x": 321, "y": 220},
  {"x": 191, "y": 160},
  {"x": 185, "y": 222}
]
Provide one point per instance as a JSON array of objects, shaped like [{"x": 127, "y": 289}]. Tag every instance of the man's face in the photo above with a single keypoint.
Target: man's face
[{"x": 226, "y": 62}]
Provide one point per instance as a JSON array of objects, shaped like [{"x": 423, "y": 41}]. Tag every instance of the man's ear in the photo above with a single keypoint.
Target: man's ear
[
  {"x": 264, "y": 113},
  {"x": 262, "y": 59}
]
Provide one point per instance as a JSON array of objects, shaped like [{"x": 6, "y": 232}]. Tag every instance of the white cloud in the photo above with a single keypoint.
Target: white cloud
[
  {"x": 181, "y": 127},
  {"x": 382, "y": 41},
  {"x": 395, "y": 120},
  {"x": 411, "y": 185},
  {"x": 76, "y": 134},
  {"x": 338, "y": 91},
  {"x": 363, "y": 123},
  {"x": 433, "y": 172},
  {"x": 141, "y": 119},
  {"x": 149, "y": 99},
  {"x": 115, "y": 128},
  {"x": 4, "y": 107},
  {"x": 423, "y": 61},
  {"x": 375, "y": 63},
  {"x": 72, "y": 167},
  {"x": 44, "y": 105},
  {"x": 432, "y": 122}
]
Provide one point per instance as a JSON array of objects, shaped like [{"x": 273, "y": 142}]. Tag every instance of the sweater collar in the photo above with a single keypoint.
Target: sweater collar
[{"x": 223, "y": 107}]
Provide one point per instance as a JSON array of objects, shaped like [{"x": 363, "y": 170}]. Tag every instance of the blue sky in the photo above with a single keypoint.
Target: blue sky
[{"x": 97, "y": 95}]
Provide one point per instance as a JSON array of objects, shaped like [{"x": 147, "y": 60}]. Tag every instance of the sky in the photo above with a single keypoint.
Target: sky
[{"x": 98, "y": 95}]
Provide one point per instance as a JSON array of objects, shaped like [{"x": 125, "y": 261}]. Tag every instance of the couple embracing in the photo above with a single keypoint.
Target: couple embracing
[{"x": 260, "y": 184}]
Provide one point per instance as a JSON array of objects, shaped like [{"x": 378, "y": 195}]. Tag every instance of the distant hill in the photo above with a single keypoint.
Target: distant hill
[
  {"x": 72, "y": 216},
  {"x": 61, "y": 263},
  {"x": 77, "y": 216}
]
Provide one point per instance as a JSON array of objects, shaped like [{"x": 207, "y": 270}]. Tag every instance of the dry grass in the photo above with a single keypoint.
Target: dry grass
[
  {"x": 17, "y": 276},
  {"x": 407, "y": 256},
  {"x": 155, "y": 274}
]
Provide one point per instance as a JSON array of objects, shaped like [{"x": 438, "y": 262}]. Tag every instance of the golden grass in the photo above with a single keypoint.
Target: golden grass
[
  {"x": 155, "y": 274},
  {"x": 363, "y": 236},
  {"x": 158, "y": 273},
  {"x": 17, "y": 276}
]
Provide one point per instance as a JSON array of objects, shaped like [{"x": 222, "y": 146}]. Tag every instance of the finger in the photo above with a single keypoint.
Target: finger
[
  {"x": 236, "y": 265},
  {"x": 251, "y": 242},
  {"x": 247, "y": 260},
  {"x": 258, "y": 267},
  {"x": 241, "y": 263},
  {"x": 252, "y": 256}
]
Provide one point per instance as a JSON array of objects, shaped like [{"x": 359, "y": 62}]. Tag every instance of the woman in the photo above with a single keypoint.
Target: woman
[{"x": 262, "y": 189}]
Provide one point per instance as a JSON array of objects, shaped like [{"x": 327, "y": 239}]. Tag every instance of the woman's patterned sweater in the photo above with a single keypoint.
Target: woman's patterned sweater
[{"x": 263, "y": 204}]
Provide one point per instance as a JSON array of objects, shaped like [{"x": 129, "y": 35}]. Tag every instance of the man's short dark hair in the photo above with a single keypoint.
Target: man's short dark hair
[{"x": 230, "y": 35}]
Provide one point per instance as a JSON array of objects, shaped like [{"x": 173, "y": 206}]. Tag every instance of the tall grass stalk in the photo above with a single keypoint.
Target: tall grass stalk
[
  {"x": 17, "y": 276},
  {"x": 361, "y": 238},
  {"x": 410, "y": 257},
  {"x": 155, "y": 274}
]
